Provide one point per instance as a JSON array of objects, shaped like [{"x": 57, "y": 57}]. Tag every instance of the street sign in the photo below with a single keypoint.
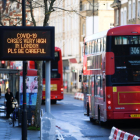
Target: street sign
[{"x": 26, "y": 43}]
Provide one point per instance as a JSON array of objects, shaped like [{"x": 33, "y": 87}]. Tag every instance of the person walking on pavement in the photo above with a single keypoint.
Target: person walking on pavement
[{"x": 9, "y": 98}]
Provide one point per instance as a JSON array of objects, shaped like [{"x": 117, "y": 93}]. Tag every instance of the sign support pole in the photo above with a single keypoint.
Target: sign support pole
[
  {"x": 24, "y": 111},
  {"x": 47, "y": 86}
]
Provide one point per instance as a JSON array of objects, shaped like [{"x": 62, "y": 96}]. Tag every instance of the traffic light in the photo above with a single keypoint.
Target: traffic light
[{"x": 3, "y": 64}]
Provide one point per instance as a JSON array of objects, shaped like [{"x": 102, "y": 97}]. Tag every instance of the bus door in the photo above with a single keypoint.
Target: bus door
[
  {"x": 92, "y": 97},
  {"x": 104, "y": 97},
  {"x": 99, "y": 106},
  {"x": 85, "y": 90},
  {"x": 89, "y": 94}
]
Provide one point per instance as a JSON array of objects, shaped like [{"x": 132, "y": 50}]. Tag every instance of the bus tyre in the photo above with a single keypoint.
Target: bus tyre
[
  {"x": 87, "y": 109},
  {"x": 92, "y": 120}
]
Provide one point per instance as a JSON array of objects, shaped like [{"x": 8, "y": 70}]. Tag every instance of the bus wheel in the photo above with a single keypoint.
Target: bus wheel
[
  {"x": 53, "y": 101},
  {"x": 92, "y": 120},
  {"x": 87, "y": 109}
]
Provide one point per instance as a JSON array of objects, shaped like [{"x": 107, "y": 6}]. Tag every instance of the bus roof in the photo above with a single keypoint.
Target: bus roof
[
  {"x": 119, "y": 30},
  {"x": 57, "y": 49},
  {"x": 96, "y": 36},
  {"x": 133, "y": 29}
]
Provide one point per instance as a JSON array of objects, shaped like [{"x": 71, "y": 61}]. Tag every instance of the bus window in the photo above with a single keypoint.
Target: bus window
[
  {"x": 92, "y": 47},
  {"x": 100, "y": 57},
  {"x": 101, "y": 86},
  {"x": 86, "y": 49},
  {"x": 125, "y": 39},
  {"x": 133, "y": 39},
  {"x": 118, "y": 40},
  {"x": 96, "y": 46},
  {"x": 99, "y": 45},
  {"x": 54, "y": 66},
  {"x": 139, "y": 39},
  {"x": 92, "y": 85},
  {"x": 97, "y": 86},
  {"x": 85, "y": 85},
  {"x": 84, "y": 78},
  {"x": 104, "y": 44}
]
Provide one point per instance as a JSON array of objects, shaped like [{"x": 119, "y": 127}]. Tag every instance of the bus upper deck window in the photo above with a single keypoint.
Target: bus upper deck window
[
  {"x": 99, "y": 45},
  {"x": 92, "y": 45},
  {"x": 125, "y": 40},
  {"x": 133, "y": 39},
  {"x": 86, "y": 48},
  {"x": 104, "y": 44},
  {"x": 118, "y": 40},
  {"x": 90, "y": 48}
]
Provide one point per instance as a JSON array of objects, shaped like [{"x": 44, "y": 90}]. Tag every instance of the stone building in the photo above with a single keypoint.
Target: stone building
[{"x": 126, "y": 12}]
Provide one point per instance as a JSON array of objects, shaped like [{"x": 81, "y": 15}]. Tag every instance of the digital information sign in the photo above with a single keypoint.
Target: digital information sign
[{"x": 26, "y": 43}]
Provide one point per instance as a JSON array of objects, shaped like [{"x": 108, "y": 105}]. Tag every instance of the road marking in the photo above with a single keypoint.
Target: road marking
[{"x": 59, "y": 135}]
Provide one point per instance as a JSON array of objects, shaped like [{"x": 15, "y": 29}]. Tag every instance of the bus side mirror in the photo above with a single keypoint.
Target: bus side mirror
[{"x": 110, "y": 63}]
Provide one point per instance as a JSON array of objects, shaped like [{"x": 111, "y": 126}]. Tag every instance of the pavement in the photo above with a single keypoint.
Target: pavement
[{"x": 8, "y": 132}]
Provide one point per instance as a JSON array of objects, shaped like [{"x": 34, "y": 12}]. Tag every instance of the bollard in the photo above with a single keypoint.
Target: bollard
[{"x": 41, "y": 112}]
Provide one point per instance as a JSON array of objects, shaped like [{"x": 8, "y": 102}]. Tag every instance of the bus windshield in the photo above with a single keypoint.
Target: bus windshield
[
  {"x": 54, "y": 66},
  {"x": 127, "y": 59}
]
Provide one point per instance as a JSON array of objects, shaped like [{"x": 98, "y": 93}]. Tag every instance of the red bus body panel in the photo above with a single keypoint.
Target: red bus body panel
[
  {"x": 56, "y": 94},
  {"x": 125, "y": 102},
  {"x": 124, "y": 30}
]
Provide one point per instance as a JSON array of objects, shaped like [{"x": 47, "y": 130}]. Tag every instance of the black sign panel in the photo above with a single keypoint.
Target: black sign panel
[{"x": 26, "y": 43}]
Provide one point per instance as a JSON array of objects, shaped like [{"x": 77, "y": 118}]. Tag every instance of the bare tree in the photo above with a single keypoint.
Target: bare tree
[{"x": 47, "y": 7}]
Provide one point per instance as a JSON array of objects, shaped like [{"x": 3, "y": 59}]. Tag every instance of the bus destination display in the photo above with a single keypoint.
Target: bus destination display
[
  {"x": 134, "y": 50},
  {"x": 27, "y": 44}
]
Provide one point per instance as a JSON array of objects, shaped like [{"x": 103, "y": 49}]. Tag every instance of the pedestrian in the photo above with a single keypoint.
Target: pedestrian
[
  {"x": 17, "y": 96},
  {"x": 9, "y": 98}
]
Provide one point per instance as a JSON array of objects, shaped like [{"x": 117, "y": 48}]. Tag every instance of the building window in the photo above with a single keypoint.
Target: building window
[
  {"x": 125, "y": 16},
  {"x": 80, "y": 5},
  {"x": 138, "y": 8},
  {"x": 111, "y": 25},
  {"x": 134, "y": 9},
  {"x": 117, "y": 16},
  {"x": 129, "y": 10},
  {"x": 83, "y": 30},
  {"x": 121, "y": 16}
]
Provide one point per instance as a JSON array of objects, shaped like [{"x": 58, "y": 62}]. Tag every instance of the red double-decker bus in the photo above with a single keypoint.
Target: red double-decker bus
[
  {"x": 56, "y": 77},
  {"x": 111, "y": 74}
]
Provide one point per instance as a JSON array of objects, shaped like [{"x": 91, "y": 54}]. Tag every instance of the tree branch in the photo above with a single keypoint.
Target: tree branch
[{"x": 31, "y": 11}]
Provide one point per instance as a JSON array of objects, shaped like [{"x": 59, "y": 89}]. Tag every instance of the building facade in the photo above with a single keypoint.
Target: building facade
[
  {"x": 126, "y": 12},
  {"x": 66, "y": 20}
]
